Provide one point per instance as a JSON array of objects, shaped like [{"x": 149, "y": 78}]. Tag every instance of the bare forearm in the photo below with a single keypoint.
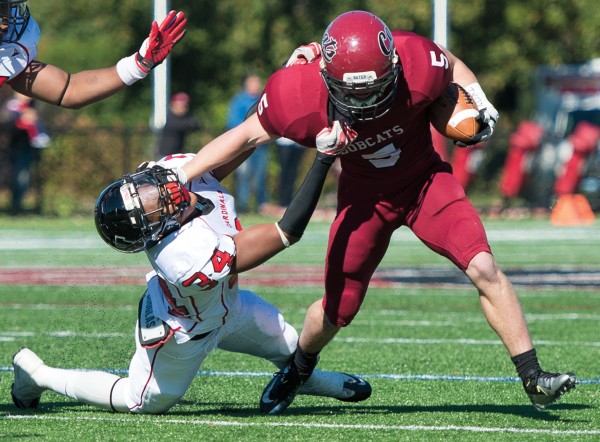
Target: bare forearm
[
  {"x": 53, "y": 85},
  {"x": 255, "y": 245},
  {"x": 259, "y": 243},
  {"x": 218, "y": 152},
  {"x": 226, "y": 147},
  {"x": 462, "y": 74},
  {"x": 87, "y": 87}
]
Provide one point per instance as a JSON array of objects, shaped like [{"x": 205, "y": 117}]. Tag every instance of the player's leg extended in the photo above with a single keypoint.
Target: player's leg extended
[
  {"x": 160, "y": 376},
  {"x": 260, "y": 330},
  {"x": 503, "y": 312},
  {"x": 33, "y": 377},
  {"x": 358, "y": 240},
  {"x": 447, "y": 222},
  {"x": 500, "y": 304}
]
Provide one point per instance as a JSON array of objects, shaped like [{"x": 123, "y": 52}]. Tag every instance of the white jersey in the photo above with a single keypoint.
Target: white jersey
[
  {"x": 15, "y": 57},
  {"x": 190, "y": 285}
]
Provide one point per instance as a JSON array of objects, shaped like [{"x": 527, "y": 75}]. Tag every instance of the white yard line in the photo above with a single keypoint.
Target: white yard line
[
  {"x": 160, "y": 422},
  {"x": 7, "y": 335}
]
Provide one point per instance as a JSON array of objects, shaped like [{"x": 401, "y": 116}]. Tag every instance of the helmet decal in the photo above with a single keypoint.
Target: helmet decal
[
  {"x": 386, "y": 43},
  {"x": 329, "y": 47}
]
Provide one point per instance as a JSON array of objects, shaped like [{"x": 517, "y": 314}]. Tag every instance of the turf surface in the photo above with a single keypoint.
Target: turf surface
[{"x": 437, "y": 369}]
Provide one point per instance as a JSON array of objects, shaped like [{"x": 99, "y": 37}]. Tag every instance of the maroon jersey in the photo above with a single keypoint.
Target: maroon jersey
[
  {"x": 391, "y": 174},
  {"x": 396, "y": 148}
]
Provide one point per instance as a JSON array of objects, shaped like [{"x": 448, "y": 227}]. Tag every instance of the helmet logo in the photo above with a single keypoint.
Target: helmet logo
[
  {"x": 386, "y": 44},
  {"x": 329, "y": 47}
]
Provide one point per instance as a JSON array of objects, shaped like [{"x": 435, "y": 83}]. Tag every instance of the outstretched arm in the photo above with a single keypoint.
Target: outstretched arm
[
  {"x": 49, "y": 83},
  {"x": 226, "y": 147},
  {"x": 258, "y": 243},
  {"x": 53, "y": 85}
]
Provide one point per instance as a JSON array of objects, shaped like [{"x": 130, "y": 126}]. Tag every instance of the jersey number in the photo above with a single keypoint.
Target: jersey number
[
  {"x": 219, "y": 260},
  {"x": 387, "y": 156},
  {"x": 442, "y": 62},
  {"x": 262, "y": 104}
]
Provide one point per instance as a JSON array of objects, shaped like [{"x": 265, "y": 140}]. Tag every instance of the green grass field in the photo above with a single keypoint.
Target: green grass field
[{"x": 437, "y": 369}]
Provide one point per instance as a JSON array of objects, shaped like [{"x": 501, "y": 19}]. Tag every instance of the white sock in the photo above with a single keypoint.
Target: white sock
[{"x": 89, "y": 387}]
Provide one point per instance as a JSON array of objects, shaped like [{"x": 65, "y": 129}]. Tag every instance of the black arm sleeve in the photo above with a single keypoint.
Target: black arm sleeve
[{"x": 298, "y": 214}]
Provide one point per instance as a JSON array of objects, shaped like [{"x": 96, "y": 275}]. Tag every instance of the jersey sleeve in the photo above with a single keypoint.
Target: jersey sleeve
[
  {"x": 293, "y": 104},
  {"x": 424, "y": 65}
]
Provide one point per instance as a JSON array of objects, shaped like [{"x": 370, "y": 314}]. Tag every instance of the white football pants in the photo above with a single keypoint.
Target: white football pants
[{"x": 159, "y": 377}]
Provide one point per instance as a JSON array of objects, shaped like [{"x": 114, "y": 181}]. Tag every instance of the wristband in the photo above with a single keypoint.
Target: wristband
[
  {"x": 181, "y": 176},
  {"x": 129, "y": 70},
  {"x": 284, "y": 239}
]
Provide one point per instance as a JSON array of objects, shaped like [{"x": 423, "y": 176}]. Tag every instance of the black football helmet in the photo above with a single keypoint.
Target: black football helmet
[
  {"x": 14, "y": 16},
  {"x": 121, "y": 218},
  {"x": 360, "y": 65}
]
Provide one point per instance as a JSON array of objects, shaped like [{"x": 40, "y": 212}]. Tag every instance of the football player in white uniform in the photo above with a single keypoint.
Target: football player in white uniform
[
  {"x": 20, "y": 69},
  {"x": 192, "y": 304}
]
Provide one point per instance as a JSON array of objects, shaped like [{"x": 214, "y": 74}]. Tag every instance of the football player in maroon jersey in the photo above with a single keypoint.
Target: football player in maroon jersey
[{"x": 363, "y": 95}]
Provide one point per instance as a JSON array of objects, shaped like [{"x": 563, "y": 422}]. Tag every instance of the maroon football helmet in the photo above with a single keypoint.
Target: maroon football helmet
[{"x": 360, "y": 65}]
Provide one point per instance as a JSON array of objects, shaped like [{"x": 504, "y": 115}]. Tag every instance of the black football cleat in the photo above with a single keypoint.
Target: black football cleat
[
  {"x": 545, "y": 388},
  {"x": 355, "y": 389},
  {"x": 281, "y": 390}
]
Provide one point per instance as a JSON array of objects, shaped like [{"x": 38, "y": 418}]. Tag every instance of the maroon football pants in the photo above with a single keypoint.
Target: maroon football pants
[{"x": 438, "y": 213}]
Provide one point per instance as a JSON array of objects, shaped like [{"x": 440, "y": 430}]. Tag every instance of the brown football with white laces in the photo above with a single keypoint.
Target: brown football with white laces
[{"x": 454, "y": 114}]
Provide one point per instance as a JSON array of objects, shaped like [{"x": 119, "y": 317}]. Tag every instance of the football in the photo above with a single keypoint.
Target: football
[{"x": 454, "y": 114}]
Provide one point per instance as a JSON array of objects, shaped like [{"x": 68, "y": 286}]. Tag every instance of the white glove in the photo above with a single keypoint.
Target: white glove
[
  {"x": 488, "y": 116},
  {"x": 333, "y": 140},
  {"x": 304, "y": 54}
]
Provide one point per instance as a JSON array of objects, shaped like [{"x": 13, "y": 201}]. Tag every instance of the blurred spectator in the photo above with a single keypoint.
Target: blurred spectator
[
  {"x": 290, "y": 157},
  {"x": 252, "y": 174},
  {"x": 27, "y": 137},
  {"x": 180, "y": 122}
]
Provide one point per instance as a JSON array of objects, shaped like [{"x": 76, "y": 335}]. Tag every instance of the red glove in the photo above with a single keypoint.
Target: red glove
[
  {"x": 154, "y": 49},
  {"x": 178, "y": 193},
  {"x": 162, "y": 38}
]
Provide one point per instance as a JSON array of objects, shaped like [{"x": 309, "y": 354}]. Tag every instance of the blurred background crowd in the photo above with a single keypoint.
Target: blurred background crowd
[{"x": 538, "y": 61}]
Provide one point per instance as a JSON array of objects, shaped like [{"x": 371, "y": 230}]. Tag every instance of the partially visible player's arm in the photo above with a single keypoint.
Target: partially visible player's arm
[
  {"x": 225, "y": 148},
  {"x": 461, "y": 73},
  {"x": 53, "y": 85},
  {"x": 258, "y": 243},
  {"x": 221, "y": 172}
]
